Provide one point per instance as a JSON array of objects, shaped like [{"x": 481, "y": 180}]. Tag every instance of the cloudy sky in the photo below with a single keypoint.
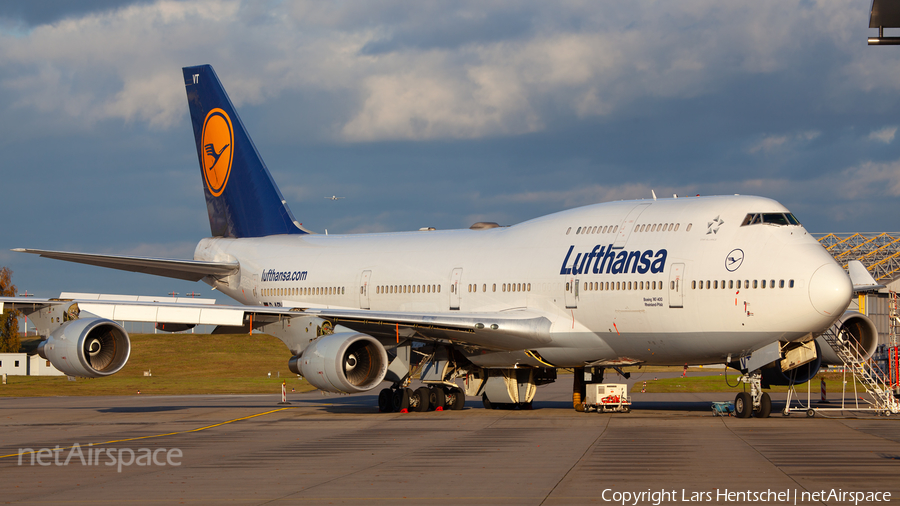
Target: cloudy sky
[{"x": 433, "y": 114}]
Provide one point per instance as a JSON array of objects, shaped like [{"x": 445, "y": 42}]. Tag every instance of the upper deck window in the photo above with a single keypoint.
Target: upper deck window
[{"x": 778, "y": 219}]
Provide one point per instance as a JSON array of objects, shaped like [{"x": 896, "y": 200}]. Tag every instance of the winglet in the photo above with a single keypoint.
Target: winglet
[
  {"x": 861, "y": 278},
  {"x": 241, "y": 197}
]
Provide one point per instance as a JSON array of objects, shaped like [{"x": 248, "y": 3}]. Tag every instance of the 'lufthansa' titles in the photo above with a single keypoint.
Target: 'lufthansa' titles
[{"x": 606, "y": 260}]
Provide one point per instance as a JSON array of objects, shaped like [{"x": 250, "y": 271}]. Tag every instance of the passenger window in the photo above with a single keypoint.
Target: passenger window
[
  {"x": 688, "y": 229},
  {"x": 780, "y": 283},
  {"x": 772, "y": 283},
  {"x": 578, "y": 231},
  {"x": 569, "y": 230},
  {"x": 676, "y": 226},
  {"x": 791, "y": 284},
  {"x": 755, "y": 283},
  {"x": 716, "y": 284},
  {"x": 764, "y": 283}
]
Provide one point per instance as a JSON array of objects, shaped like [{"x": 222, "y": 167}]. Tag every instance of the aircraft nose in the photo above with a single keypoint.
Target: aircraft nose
[{"x": 830, "y": 289}]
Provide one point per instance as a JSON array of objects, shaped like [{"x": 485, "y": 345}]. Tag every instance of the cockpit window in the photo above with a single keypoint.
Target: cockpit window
[
  {"x": 778, "y": 219},
  {"x": 774, "y": 219}
]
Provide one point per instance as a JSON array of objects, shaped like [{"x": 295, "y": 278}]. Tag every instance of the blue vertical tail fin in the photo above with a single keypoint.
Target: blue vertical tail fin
[{"x": 241, "y": 196}]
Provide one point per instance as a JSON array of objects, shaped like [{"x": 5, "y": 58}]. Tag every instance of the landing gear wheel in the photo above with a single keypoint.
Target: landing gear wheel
[
  {"x": 765, "y": 406},
  {"x": 525, "y": 406},
  {"x": 456, "y": 399},
  {"x": 743, "y": 405},
  {"x": 413, "y": 399},
  {"x": 400, "y": 400},
  {"x": 810, "y": 412},
  {"x": 422, "y": 393},
  {"x": 436, "y": 399},
  {"x": 486, "y": 402},
  {"x": 385, "y": 401}
]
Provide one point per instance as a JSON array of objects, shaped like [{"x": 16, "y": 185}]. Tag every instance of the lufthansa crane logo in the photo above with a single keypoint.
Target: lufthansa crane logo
[
  {"x": 734, "y": 259},
  {"x": 217, "y": 150}
]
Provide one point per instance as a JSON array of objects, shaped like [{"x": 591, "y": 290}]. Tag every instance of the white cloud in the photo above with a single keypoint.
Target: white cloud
[
  {"x": 870, "y": 180},
  {"x": 771, "y": 143},
  {"x": 885, "y": 135},
  {"x": 496, "y": 70}
]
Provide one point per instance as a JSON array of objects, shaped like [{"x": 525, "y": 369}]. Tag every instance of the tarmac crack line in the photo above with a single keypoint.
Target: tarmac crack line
[
  {"x": 767, "y": 459},
  {"x": 376, "y": 464},
  {"x": 579, "y": 460}
]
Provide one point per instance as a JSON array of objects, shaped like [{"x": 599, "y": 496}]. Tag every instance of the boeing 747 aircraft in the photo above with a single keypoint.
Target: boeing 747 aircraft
[{"x": 699, "y": 280}]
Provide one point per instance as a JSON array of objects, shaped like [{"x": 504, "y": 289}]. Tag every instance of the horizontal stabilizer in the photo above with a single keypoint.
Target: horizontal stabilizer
[{"x": 190, "y": 270}]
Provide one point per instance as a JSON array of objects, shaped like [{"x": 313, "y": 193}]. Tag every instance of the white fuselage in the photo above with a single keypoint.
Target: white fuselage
[{"x": 679, "y": 280}]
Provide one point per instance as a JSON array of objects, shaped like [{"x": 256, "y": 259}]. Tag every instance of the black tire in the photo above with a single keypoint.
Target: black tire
[
  {"x": 743, "y": 405},
  {"x": 526, "y": 406},
  {"x": 486, "y": 402},
  {"x": 456, "y": 399},
  {"x": 386, "y": 401},
  {"x": 765, "y": 406},
  {"x": 401, "y": 400},
  {"x": 422, "y": 393},
  {"x": 436, "y": 398}
]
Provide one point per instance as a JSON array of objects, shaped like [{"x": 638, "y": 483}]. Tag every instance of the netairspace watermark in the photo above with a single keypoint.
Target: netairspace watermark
[
  {"x": 785, "y": 496},
  {"x": 98, "y": 456}
]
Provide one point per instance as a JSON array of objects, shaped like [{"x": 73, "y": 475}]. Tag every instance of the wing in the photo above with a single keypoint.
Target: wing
[
  {"x": 190, "y": 270},
  {"x": 507, "y": 330}
]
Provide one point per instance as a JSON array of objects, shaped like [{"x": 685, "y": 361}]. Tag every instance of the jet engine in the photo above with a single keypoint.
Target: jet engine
[
  {"x": 773, "y": 375},
  {"x": 854, "y": 327},
  {"x": 342, "y": 363},
  {"x": 87, "y": 347}
]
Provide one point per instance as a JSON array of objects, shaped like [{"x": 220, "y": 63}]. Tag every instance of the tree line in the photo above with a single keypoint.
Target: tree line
[{"x": 9, "y": 320}]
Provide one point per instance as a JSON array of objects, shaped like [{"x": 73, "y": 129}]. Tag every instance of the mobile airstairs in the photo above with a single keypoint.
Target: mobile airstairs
[{"x": 879, "y": 385}]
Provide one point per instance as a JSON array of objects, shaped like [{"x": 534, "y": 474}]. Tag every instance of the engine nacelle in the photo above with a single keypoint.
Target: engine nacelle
[
  {"x": 773, "y": 375},
  {"x": 855, "y": 327},
  {"x": 342, "y": 363},
  {"x": 87, "y": 347}
]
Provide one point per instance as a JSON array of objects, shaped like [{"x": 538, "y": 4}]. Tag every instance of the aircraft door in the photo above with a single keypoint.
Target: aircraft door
[
  {"x": 628, "y": 225},
  {"x": 571, "y": 293},
  {"x": 255, "y": 287},
  {"x": 454, "y": 287},
  {"x": 364, "y": 289},
  {"x": 676, "y": 286}
]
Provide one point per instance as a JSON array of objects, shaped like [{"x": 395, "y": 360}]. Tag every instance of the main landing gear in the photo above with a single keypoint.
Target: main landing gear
[
  {"x": 434, "y": 398},
  {"x": 756, "y": 402},
  {"x": 437, "y": 369}
]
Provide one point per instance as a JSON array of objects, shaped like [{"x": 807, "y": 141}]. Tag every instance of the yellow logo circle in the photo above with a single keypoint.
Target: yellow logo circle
[{"x": 217, "y": 146}]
